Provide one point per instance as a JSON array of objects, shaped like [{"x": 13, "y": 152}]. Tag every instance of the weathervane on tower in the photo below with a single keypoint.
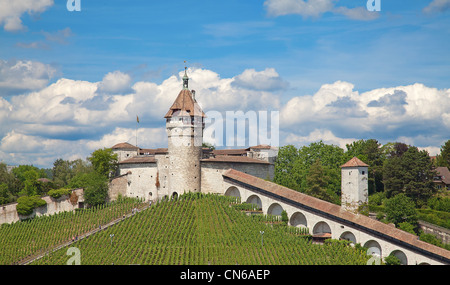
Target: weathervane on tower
[{"x": 185, "y": 78}]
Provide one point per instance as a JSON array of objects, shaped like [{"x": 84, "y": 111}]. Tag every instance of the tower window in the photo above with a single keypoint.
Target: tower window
[{"x": 363, "y": 172}]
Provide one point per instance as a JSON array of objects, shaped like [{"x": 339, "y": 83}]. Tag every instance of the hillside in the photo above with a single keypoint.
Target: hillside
[
  {"x": 202, "y": 229},
  {"x": 21, "y": 241}
]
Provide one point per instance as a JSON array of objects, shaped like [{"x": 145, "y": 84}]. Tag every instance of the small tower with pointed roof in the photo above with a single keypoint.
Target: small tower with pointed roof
[
  {"x": 354, "y": 184},
  {"x": 184, "y": 126}
]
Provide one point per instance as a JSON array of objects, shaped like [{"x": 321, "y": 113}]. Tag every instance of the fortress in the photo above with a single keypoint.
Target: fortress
[{"x": 187, "y": 166}]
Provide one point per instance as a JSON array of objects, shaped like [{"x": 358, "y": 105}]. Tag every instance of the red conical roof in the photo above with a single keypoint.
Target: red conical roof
[
  {"x": 354, "y": 162},
  {"x": 185, "y": 106}
]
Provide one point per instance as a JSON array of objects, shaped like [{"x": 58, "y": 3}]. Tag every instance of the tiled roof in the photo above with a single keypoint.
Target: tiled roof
[
  {"x": 444, "y": 173},
  {"x": 124, "y": 145},
  {"x": 240, "y": 151},
  {"x": 354, "y": 162},
  {"x": 236, "y": 159},
  {"x": 336, "y": 212},
  {"x": 153, "y": 151},
  {"x": 184, "y": 105},
  {"x": 261, "y": 146},
  {"x": 139, "y": 159}
]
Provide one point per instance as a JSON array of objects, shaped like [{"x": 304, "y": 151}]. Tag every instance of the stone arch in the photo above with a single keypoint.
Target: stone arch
[
  {"x": 233, "y": 192},
  {"x": 174, "y": 195},
  {"x": 254, "y": 199},
  {"x": 275, "y": 209},
  {"x": 321, "y": 228},
  {"x": 400, "y": 255},
  {"x": 373, "y": 248},
  {"x": 348, "y": 236},
  {"x": 298, "y": 220}
]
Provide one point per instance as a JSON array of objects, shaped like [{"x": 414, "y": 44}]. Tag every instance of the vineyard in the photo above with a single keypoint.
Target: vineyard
[
  {"x": 198, "y": 229},
  {"x": 29, "y": 238}
]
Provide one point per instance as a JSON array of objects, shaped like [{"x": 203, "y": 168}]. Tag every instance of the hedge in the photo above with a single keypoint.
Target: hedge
[
  {"x": 57, "y": 193},
  {"x": 26, "y": 204}
]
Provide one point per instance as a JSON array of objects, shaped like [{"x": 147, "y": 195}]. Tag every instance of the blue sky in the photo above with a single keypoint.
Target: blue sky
[{"x": 331, "y": 58}]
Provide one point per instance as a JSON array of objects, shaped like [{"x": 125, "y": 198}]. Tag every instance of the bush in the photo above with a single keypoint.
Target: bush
[
  {"x": 439, "y": 204},
  {"x": 57, "y": 193},
  {"x": 26, "y": 204},
  {"x": 407, "y": 227},
  {"x": 439, "y": 218},
  {"x": 392, "y": 260},
  {"x": 399, "y": 209},
  {"x": 284, "y": 217},
  {"x": 376, "y": 199},
  {"x": 429, "y": 238}
]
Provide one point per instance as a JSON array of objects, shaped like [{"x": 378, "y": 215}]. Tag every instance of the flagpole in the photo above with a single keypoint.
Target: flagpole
[{"x": 137, "y": 122}]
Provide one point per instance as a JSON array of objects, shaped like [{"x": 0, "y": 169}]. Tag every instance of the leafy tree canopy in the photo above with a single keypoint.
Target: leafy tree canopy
[{"x": 104, "y": 161}]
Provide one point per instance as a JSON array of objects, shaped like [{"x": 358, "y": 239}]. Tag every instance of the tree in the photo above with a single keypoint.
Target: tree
[
  {"x": 410, "y": 172},
  {"x": 95, "y": 187},
  {"x": 5, "y": 196},
  {"x": 393, "y": 176},
  {"x": 443, "y": 159},
  {"x": 284, "y": 164},
  {"x": 317, "y": 182},
  {"x": 104, "y": 161},
  {"x": 62, "y": 172},
  {"x": 401, "y": 209},
  {"x": 418, "y": 176},
  {"x": 331, "y": 158},
  {"x": 31, "y": 185},
  {"x": 13, "y": 184},
  {"x": 208, "y": 145},
  {"x": 20, "y": 171}
]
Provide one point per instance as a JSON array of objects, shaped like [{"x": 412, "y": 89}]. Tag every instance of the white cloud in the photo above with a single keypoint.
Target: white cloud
[
  {"x": 146, "y": 138},
  {"x": 358, "y": 13},
  {"x": 48, "y": 105},
  {"x": 12, "y": 10},
  {"x": 316, "y": 8},
  {"x": 308, "y": 8},
  {"x": 115, "y": 82},
  {"x": 415, "y": 114},
  {"x": 318, "y": 134},
  {"x": 21, "y": 75},
  {"x": 82, "y": 116},
  {"x": 432, "y": 150},
  {"x": 71, "y": 118},
  {"x": 437, "y": 6},
  {"x": 267, "y": 79}
]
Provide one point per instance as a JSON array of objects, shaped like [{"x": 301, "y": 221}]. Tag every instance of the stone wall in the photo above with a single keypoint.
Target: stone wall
[
  {"x": 8, "y": 212},
  {"x": 441, "y": 233},
  {"x": 141, "y": 180},
  {"x": 212, "y": 180},
  {"x": 117, "y": 186}
]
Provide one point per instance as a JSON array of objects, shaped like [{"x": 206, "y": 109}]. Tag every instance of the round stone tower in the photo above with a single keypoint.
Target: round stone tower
[{"x": 184, "y": 125}]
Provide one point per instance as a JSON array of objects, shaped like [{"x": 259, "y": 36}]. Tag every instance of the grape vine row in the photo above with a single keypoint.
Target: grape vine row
[{"x": 201, "y": 229}]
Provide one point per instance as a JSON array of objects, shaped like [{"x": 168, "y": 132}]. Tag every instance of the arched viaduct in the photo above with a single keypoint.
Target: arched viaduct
[{"x": 325, "y": 219}]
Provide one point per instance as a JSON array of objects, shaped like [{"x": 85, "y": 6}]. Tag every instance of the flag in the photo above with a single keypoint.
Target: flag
[{"x": 137, "y": 118}]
